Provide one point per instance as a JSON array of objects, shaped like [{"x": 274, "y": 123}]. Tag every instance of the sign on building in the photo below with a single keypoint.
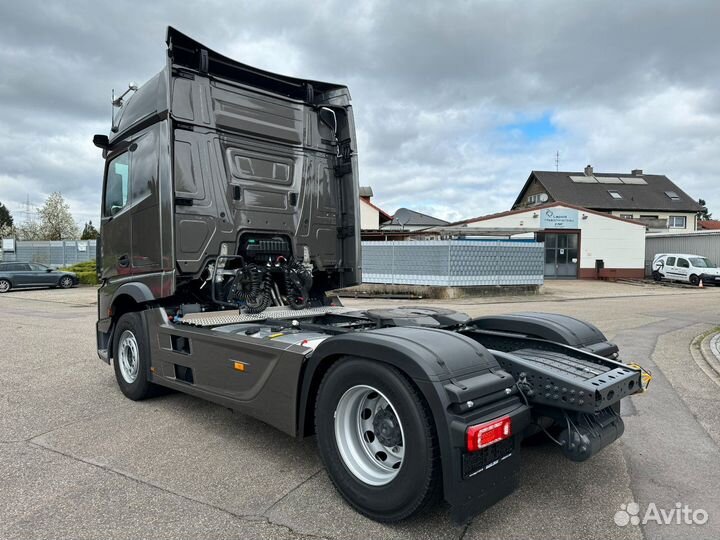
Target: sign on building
[
  {"x": 8, "y": 244},
  {"x": 559, "y": 218}
]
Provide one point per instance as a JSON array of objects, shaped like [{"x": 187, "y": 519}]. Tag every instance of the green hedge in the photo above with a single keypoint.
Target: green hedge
[
  {"x": 87, "y": 278},
  {"x": 85, "y": 272},
  {"x": 88, "y": 266}
]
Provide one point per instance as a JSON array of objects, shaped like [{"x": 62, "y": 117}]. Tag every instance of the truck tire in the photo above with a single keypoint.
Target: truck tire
[
  {"x": 131, "y": 355},
  {"x": 377, "y": 440}
]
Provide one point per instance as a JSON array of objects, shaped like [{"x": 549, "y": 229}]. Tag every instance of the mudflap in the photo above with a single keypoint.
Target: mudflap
[{"x": 474, "y": 481}]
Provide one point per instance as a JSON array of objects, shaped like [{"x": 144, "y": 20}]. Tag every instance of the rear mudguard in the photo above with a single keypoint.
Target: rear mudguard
[
  {"x": 552, "y": 327},
  {"x": 462, "y": 384}
]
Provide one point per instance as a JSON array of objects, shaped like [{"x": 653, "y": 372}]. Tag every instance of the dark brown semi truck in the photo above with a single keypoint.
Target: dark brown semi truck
[{"x": 230, "y": 213}]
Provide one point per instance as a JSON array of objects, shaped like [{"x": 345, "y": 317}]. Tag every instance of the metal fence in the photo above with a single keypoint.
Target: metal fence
[
  {"x": 705, "y": 243},
  {"x": 52, "y": 253},
  {"x": 454, "y": 263}
]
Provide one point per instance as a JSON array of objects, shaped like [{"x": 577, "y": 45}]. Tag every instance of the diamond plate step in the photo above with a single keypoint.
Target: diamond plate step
[{"x": 216, "y": 318}]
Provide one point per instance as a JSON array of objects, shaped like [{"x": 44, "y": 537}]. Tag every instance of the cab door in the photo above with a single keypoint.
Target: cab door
[
  {"x": 131, "y": 208},
  {"x": 116, "y": 225}
]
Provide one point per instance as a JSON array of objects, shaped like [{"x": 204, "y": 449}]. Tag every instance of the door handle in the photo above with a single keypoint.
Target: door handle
[{"x": 124, "y": 261}]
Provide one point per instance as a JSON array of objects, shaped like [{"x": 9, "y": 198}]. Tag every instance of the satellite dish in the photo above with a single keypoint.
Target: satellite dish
[{"x": 543, "y": 197}]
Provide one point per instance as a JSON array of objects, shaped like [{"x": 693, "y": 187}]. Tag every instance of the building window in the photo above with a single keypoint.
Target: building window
[
  {"x": 672, "y": 195},
  {"x": 677, "y": 222},
  {"x": 626, "y": 216},
  {"x": 615, "y": 194}
]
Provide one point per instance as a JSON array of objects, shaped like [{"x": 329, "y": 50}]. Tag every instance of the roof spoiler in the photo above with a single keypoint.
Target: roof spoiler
[{"x": 188, "y": 53}]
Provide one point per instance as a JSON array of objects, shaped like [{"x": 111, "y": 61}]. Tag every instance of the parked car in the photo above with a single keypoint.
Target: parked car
[
  {"x": 15, "y": 275},
  {"x": 686, "y": 268}
]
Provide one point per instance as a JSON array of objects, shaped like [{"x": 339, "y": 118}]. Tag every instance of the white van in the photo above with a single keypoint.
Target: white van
[{"x": 686, "y": 268}]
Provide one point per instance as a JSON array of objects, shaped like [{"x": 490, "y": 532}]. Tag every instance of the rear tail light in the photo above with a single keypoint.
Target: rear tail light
[{"x": 483, "y": 435}]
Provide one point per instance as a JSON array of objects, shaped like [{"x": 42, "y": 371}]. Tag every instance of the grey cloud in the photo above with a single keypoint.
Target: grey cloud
[{"x": 627, "y": 84}]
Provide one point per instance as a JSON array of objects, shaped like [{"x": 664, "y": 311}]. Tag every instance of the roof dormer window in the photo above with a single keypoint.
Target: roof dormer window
[{"x": 672, "y": 195}]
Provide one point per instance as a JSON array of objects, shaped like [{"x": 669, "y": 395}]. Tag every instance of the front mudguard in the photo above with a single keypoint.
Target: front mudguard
[{"x": 462, "y": 384}]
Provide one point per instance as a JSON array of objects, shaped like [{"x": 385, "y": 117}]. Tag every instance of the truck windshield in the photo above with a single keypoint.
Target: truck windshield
[{"x": 701, "y": 262}]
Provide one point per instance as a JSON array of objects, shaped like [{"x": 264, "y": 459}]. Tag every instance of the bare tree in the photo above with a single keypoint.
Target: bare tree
[
  {"x": 29, "y": 230},
  {"x": 56, "y": 221}
]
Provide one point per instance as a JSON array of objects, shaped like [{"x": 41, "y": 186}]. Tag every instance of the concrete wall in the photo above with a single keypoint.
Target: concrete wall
[
  {"x": 620, "y": 244},
  {"x": 454, "y": 263},
  {"x": 690, "y": 218}
]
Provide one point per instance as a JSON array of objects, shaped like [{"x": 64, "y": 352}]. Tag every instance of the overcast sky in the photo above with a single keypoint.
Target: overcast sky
[{"x": 455, "y": 102}]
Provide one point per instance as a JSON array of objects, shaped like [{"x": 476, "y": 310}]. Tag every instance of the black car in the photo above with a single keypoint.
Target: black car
[{"x": 15, "y": 275}]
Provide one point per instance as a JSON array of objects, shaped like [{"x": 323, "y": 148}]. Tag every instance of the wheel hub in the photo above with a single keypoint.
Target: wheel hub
[
  {"x": 369, "y": 435},
  {"x": 386, "y": 428}
]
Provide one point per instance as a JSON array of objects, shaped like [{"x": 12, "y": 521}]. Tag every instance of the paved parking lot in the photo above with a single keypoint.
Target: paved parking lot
[{"x": 78, "y": 460}]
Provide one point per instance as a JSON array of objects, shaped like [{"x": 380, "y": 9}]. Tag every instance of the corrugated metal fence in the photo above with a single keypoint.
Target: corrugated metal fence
[
  {"x": 705, "y": 243},
  {"x": 52, "y": 253},
  {"x": 454, "y": 263}
]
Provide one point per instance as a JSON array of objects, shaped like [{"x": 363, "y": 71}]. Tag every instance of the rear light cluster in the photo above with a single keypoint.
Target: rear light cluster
[{"x": 488, "y": 433}]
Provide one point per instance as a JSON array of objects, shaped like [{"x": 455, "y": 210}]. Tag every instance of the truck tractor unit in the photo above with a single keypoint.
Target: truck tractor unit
[{"x": 230, "y": 212}]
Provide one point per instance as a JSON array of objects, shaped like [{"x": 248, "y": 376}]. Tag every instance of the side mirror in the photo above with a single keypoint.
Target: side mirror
[
  {"x": 48, "y": 270},
  {"x": 327, "y": 116},
  {"x": 101, "y": 141}
]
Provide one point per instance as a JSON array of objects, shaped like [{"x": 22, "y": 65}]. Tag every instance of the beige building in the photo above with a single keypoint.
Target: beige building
[{"x": 579, "y": 242}]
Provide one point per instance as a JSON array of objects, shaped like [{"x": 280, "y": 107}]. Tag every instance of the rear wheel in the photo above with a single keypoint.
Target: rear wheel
[
  {"x": 377, "y": 440},
  {"x": 5, "y": 285},
  {"x": 694, "y": 280},
  {"x": 131, "y": 354},
  {"x": 65, "y": 282}
]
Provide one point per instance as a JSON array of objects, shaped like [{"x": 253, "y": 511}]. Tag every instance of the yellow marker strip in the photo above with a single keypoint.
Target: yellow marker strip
[{"x": 273, "y": 336}]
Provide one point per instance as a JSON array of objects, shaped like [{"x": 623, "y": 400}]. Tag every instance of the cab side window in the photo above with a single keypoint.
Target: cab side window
[
  {"x": 132, "y": 175},
  {"x": 117, "y": 187},
  {"x": 682, "y": 263},
  {"x": 670, "y": 261}
]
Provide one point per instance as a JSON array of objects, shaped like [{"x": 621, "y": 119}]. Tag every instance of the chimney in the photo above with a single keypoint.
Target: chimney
[
  {"x": 636, "y": 172},
  {"x": 588, "y": 170}
]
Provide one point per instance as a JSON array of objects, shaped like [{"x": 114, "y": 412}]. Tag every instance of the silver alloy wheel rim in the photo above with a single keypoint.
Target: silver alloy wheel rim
[
  {"x": 65, "y": 282},
  {"x": 128, "y": 356},
  {"x": 4, "y": 286},
  {"x": 363, "y": 452}
]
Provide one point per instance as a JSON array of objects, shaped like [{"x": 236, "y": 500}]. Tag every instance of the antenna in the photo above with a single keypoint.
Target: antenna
[{"x": 557, "y": 160}]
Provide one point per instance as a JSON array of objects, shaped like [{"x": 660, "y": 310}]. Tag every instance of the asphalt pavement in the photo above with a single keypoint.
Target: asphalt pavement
[{"x": 78, "y": 460}]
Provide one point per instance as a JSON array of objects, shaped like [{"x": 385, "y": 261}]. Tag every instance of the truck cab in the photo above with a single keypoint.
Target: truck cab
[{"x": 210, "y": 157}]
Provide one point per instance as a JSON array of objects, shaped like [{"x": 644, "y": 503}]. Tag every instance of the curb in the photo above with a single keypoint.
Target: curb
[{"x": 705, "y": 350}]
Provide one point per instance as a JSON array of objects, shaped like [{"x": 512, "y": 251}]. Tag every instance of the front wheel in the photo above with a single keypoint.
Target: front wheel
[
  {"x": 131, "y": 355},
  {"x": 377, "y": 440},
  {"x": 694, "y": 280},
  {"x": 65, "y": 282},
  {"x": 657, "y": 276}
]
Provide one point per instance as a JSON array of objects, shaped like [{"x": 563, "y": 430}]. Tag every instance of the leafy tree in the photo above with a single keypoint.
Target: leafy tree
[
  {"x": 6, "y": 218},
  {"x": 56, "y": 221},
  {"x": 89, "y": 232},
  {"x": 6, "y": 221},
  {"x": 703, "y": 214}
]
